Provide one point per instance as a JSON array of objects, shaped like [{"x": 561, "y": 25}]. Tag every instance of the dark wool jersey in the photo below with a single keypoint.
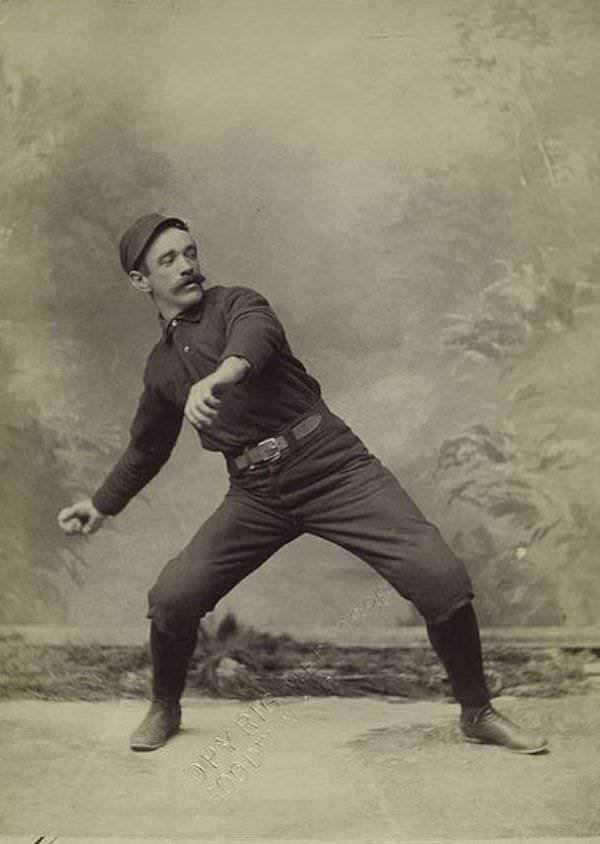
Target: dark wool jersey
[{"x": 227, "y": 321}]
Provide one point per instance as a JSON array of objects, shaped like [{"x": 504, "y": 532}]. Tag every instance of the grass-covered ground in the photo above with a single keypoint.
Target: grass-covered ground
[{"x": 242, "y": 663}]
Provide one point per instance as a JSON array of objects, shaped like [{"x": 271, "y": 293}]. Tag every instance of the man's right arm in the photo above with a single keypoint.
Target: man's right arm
[{"x": 153, "y": 433}]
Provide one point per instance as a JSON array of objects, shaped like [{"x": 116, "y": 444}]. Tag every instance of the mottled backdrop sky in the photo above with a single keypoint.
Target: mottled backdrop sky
[{"x": 414, "y": 186}]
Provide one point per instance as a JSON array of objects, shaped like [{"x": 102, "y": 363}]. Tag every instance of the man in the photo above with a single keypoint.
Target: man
[{"x": 224, "y": 364}]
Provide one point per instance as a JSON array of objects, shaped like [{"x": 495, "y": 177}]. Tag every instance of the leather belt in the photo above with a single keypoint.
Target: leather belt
[{"x": 272, "y": 448}]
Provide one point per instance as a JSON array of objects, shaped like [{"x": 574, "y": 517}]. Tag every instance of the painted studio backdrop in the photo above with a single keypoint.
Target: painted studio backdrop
[{"x": 414, "y": 187}]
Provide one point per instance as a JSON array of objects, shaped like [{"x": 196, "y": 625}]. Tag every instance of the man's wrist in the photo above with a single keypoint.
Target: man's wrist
[
  {"x": 97, "y": 509},
  {"x": 230, "y": 371}
]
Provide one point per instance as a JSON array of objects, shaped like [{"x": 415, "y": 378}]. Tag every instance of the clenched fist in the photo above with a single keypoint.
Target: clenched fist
[
  {"x": 201, "y": 407},
  {"x": 81, "y": 517}
]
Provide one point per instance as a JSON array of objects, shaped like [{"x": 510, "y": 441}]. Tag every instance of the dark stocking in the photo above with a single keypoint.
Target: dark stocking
[
  {"x": 457, "y": 643},
  {"x": 170, "y": 660}
]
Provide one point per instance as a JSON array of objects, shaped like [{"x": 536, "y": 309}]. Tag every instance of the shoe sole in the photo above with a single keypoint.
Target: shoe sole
[
  {"x": 530, "y": 751},
  {"x": 146, "y": 748}
]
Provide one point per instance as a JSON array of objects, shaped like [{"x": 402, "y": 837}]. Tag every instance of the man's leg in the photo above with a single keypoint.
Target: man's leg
[
  {"x": 362, "y": 507},
  {"x": 457, "y": 644},
  {"x": 241, "y": 534},
  {"x": 170, "y": 660}
]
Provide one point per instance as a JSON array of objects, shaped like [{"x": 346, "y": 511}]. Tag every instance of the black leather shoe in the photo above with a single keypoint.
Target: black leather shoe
[
  {"x": 161, "y": 722},
  {"x": 490, "y": 727}
]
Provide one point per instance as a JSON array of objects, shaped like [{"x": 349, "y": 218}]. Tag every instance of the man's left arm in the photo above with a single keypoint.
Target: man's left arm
[
  {"x": 253, "y": 331},
  {"x": 253, "y": 336}
]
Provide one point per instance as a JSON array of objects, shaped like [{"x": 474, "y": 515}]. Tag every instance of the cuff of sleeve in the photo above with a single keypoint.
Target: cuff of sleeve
[
  {"x": 253, "y": 356},
  {"x": 104, "y": 506}
]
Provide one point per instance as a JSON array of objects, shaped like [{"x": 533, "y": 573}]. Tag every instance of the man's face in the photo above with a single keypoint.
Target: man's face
[{"x": 173, "y": 278}]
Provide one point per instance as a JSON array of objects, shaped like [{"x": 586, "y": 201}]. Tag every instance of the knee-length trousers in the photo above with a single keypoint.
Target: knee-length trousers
[{"x": 329, "y": 485}]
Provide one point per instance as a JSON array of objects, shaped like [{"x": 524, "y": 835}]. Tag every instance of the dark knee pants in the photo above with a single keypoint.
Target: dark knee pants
[{"x": 330, "y": 486}]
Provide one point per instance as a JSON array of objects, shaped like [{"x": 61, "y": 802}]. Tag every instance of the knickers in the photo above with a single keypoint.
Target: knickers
[{"x": 328, "y": 486}]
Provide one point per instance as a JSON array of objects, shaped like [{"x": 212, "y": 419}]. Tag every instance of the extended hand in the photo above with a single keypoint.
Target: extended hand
[
  {"x": 81, "y": 517},
  {"x": 202, "y": 403}
]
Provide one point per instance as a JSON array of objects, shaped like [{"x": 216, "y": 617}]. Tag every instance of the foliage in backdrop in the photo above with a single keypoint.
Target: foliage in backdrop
[
  {"x": 526, "y": 490},
  {"x": 361, "y": 202},
  {"x": 66, "y": 189}
]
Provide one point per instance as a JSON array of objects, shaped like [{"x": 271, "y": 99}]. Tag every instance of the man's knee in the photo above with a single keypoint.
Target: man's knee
[
  {"x": 444, "y": 583},
  {"x": 174, "y": 607},
  {"x": 436, "y": 557}
]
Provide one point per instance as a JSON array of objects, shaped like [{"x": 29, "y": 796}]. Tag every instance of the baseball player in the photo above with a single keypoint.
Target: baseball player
[{"x": 223, "y": 363}]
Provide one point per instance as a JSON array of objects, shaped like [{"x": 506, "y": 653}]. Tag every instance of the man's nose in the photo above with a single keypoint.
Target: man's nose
[{"x": 185, "y": 265}]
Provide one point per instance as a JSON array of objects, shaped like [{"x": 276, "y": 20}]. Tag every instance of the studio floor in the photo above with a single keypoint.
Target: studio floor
[{"x": 318, "y": 769}]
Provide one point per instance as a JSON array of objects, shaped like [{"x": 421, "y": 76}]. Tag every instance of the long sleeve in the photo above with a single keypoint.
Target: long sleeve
[
  {"x": 253, "y": 331},
  {"x": 153, "y": 433}
]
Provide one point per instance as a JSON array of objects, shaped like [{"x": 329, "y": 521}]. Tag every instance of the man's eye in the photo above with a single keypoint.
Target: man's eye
[{"x": 191, "y": 253}]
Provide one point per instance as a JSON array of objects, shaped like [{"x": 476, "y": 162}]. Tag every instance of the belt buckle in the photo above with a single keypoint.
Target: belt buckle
[{"x": 272, "y": 447}]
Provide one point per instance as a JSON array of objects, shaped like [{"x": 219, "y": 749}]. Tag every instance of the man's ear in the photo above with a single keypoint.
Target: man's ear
[{"x": 140, "y": 281}]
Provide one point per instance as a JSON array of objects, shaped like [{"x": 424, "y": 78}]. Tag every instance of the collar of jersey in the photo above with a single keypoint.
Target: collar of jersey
[{"x": 191, "y": 314}]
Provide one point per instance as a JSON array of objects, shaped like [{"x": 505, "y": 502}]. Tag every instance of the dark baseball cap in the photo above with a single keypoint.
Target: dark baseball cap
[{"x": 141, "y": 233}]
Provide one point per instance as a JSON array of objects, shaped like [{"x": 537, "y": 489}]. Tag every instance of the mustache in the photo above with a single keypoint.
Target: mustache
[{"x": 197, "y": 278}]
